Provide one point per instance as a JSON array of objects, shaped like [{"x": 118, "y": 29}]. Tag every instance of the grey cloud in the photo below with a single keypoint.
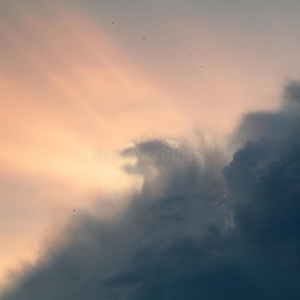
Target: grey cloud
[{"x": 192, "y": 233}]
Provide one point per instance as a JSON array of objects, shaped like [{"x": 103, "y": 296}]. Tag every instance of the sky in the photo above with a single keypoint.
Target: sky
[{"x": 83, "y": 80}]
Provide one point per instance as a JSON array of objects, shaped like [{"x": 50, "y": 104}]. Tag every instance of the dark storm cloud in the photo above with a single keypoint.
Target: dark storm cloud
[
  {"x": 264, "y": 177},
  {"x": 192, "y": 233}
]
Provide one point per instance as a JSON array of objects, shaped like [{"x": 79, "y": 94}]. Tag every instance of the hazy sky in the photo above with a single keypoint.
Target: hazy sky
[{"x": 79, "y": 76}]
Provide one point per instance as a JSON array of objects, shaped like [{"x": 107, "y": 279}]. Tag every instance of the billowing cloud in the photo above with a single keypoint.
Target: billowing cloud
[{"x": 193, "y": 231}]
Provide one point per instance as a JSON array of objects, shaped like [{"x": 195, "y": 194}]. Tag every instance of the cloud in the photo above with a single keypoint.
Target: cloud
[
  {"x": 193, "y": 231},
  {"x": 264, "y": 175}
]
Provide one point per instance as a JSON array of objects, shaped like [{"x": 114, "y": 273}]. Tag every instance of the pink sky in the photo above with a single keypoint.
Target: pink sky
[{"x": 71, "y": 83}]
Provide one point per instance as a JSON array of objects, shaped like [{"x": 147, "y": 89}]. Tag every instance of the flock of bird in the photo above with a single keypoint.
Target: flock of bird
[{"x": 113, "y": 23}]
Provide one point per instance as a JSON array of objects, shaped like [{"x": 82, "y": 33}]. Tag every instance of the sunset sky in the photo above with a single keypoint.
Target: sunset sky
[{"x": 83, "y": 76}]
